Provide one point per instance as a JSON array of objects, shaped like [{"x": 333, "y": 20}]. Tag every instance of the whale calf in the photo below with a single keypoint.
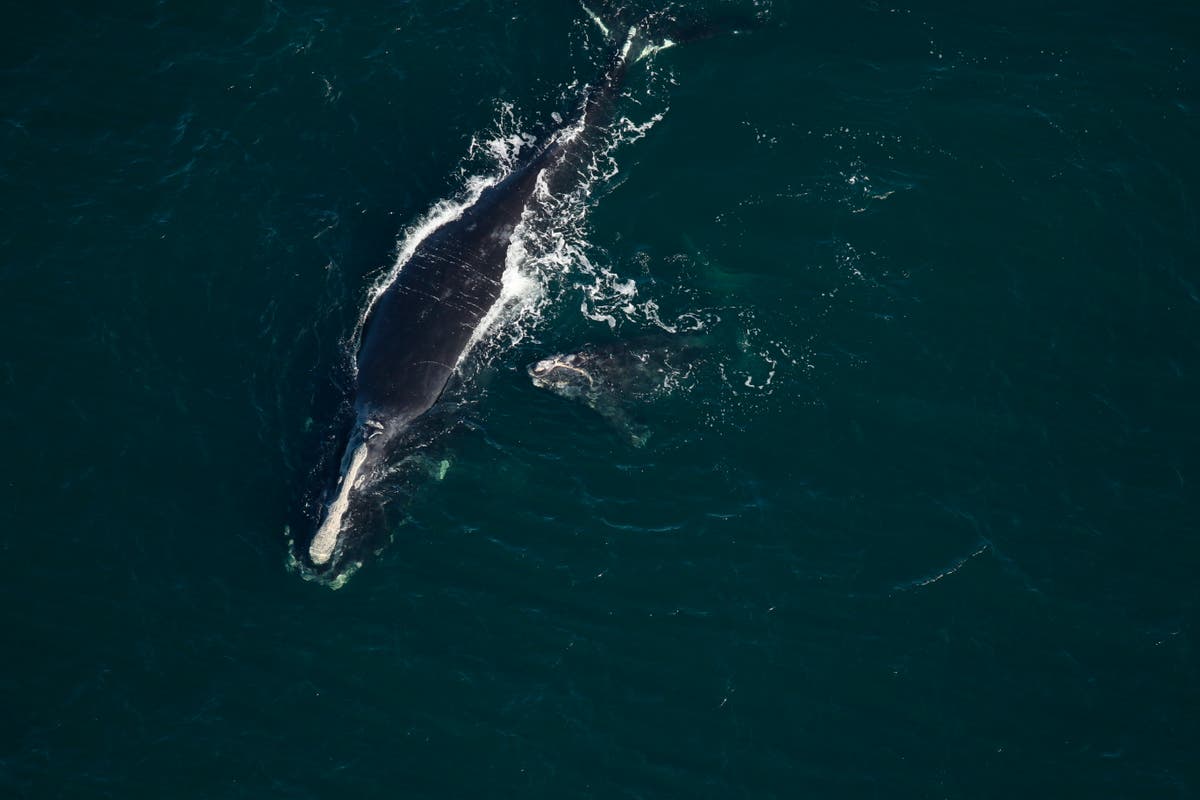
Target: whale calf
[
  {"x": 610, "y": 379},
  {"x": 419, "y": 327}
]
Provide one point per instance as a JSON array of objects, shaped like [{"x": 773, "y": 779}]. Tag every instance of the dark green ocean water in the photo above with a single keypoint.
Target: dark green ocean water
[{"x": 924, "y": 523}]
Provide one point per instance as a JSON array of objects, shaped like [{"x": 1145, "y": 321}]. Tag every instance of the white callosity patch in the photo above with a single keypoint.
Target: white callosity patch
[
  {"x": 544, "y": 369},
  {"x": 327, "y": 535}
]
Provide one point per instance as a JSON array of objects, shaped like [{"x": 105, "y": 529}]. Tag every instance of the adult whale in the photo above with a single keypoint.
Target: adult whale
[{"x": 418, "y": 328}]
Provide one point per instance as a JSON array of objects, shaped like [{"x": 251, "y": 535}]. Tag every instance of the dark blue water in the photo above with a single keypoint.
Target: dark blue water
[{"x": 922, "y": 521}]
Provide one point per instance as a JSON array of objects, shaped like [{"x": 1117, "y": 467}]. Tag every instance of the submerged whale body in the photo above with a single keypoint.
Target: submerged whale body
[
  {"x": 418, "y": 329},
  {"x": 611, "y": 379}
]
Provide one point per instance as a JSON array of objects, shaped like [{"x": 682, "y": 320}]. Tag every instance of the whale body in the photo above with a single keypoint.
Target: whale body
[
  {"x": 612, "y": 379},
  {"x": 419, "y": 327}
]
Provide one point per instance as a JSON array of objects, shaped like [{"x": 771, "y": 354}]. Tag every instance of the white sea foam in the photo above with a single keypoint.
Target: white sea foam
[
  {"x": 550, "y": 253},
  {"x": 596, "y": 19},
  {"x": 552, "y": 261}
]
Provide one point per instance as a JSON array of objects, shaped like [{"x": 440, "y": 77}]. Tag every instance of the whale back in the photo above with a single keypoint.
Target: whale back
[{"x": 419, "y": 327}]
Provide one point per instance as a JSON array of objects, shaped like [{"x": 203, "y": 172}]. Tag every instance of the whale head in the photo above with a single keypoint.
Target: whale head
[
  {"x": 565, "y": 375},
  {"x": 352, "y": 505}
]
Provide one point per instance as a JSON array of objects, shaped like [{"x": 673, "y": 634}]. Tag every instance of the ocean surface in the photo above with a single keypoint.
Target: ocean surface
[{"x": 922, "y": 521}]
